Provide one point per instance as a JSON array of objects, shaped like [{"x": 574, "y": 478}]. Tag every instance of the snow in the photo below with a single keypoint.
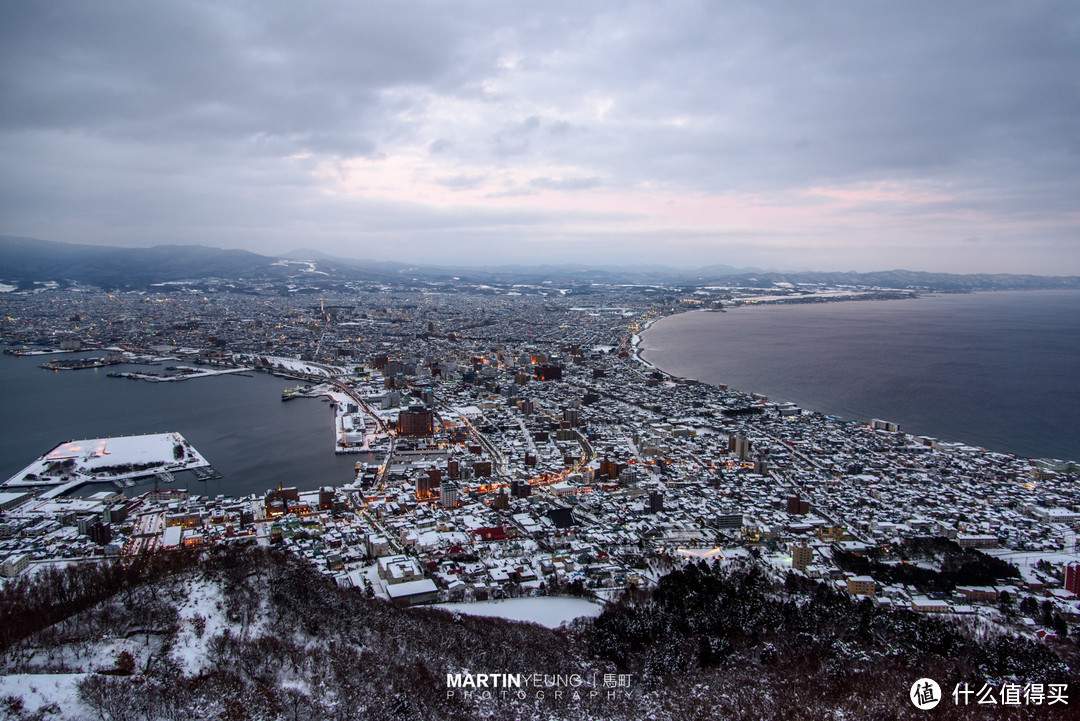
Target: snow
[
  {"x": 298, "y": 366},
  {"x": 192, "y": 649},
  {"x": 550, "y": 611},
  {"x": 93, "y": 453},
  {"x": 188, "y": 373},
  {"x": 37, "y": 690}
]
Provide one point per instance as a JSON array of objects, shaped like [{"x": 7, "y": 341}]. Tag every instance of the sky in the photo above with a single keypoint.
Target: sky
[{"x": 836, "y": 135}]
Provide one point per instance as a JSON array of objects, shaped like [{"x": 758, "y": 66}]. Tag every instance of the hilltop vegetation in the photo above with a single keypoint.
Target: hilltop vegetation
[{"x": 251, "y": 633}]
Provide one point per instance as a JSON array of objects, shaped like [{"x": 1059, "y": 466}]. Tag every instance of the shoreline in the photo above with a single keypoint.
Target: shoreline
[{"x": 638, "y": 348}]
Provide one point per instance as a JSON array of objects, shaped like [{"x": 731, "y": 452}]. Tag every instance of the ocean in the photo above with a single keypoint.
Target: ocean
[
  {"x": 999, "y": 370},
  {"x": 239, "y": 424}
]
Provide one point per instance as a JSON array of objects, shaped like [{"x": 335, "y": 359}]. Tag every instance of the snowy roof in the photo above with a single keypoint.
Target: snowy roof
[{"x": 411, "y": 588}]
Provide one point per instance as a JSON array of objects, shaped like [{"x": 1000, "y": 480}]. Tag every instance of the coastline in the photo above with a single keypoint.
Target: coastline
[{"x": 640, "y": 347}]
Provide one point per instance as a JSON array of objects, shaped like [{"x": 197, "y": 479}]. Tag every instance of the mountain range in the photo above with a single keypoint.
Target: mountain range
[{"x": 26, "y": 263}]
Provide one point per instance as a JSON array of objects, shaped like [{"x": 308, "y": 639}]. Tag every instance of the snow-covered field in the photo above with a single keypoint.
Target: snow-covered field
[
  {"x": 550, "y": 611},
  {"x": 84, "y": 460}
]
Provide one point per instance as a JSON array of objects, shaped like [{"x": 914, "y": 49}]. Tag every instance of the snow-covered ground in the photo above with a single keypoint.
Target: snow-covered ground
[
  {"x": 87, "y": 458},
  {"x": 188, "y": 374},
  {"x": 550, "y": 611},
  {"x": 299, "y": 366},
  {"x": 37, "y": 690}
]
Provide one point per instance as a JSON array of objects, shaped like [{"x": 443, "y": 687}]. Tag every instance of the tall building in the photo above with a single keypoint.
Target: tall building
[
  {"x": 1072, "y": 578},
  {"x": 448, "y": 494},
  {"x": 100, "y": 533},
  {"x": 797, "y": 507},
  {"x": 801, "y": 557},
  {"x": 423, "y": 487},
  {"x": 656, "y": 501},
  {"x": 729, "y": 520},
  {"x": 416, "y": 422},
  {"x": 548, "y": 372},
  {"x": 740, "y": 446}
]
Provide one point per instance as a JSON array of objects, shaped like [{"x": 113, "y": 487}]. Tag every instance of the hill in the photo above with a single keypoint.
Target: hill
[{"x": 259, "y": 634}]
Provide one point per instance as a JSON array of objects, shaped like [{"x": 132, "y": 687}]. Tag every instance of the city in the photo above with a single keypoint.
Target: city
[{"x": 510, "y": 442}]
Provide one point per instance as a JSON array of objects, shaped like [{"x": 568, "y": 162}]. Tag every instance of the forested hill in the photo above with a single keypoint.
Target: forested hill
[
  {"x": 250, "y": 633},
  {"x": 28, "y": 263}
]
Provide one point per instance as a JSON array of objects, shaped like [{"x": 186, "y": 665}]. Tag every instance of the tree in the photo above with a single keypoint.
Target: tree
[
  {"x": 1005, "y": 604},
  {"x": 125, "y": 663}
]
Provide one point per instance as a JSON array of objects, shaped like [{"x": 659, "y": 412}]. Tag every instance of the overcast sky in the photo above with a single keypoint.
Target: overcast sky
[{"x": 821, "y": 135}]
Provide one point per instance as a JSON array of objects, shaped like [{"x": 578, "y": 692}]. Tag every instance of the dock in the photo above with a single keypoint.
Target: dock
[{"x": 206, "y": 473}]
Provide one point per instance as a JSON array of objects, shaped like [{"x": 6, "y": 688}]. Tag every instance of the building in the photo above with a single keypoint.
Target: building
[
  {"x": 398, "y": 569},
  {"x": 520, "y": 489},
  {"x": 797, "y": 506},
  {"x": 416, "y": 422},
  {"x": 803, "y": 556},
  {"x": 282, "y": 500},
  {"x": 971, "y": 540},
  {"x": 548, "y": 372},
  {"x": 448, "y": 494},
  {"x": 15, "y": 565},
  {"x": 423, "y": 488},
  {"x": 100, "y": 533},
  {"x": 10, "y": 500},
  {"x": 172, "y": 536},
  {"x": 656, "y": 501},
  {"x": 610, "y": 468},
  {"x": 922, "y": 604},
  {"x": 729, "y": 520},
  {"x": 740, "y": 446},
  {"x": 411, "y": 593},
  {"x": 860, "y": 586},
  {"x": 1072, "y": 578},
  {"x": 981, "y": 594}
]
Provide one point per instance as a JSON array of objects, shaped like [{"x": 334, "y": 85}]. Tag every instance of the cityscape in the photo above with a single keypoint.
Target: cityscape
[
  {"x": 512, "y": 444},
  {"x": 486, "y": 361}
]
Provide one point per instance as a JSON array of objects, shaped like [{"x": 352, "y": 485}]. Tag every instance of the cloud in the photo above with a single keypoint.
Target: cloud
[
  {"x": 565, "y": 183},
  {"x": 833, "y": 126}
]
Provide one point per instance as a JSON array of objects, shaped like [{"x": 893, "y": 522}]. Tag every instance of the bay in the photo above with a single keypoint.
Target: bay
[
  {"x": 239, "y": 424},
  {"x": 998, "y": 370}
]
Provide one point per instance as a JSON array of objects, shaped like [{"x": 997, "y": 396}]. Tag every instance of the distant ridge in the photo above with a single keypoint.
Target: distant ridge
[{"x": 26, "y": 261}]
